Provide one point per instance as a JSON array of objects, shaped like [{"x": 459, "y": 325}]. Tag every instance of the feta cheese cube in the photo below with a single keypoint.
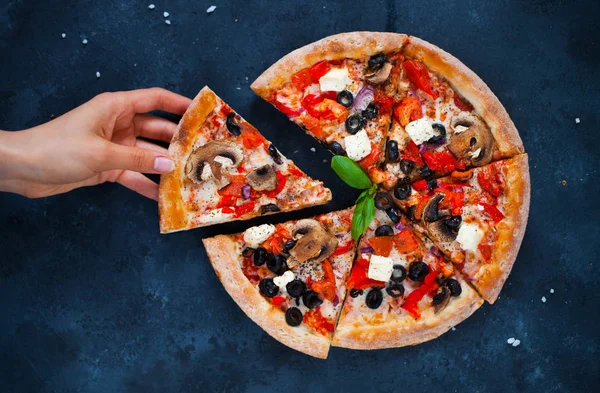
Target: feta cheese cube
[
  {"x": 358, "y": 146},
  {"x": 469, "y": 236},
  {"x": 254, "y": 236},
  {"x": 380, "y": 268},
  {"x": 335, "y": 80},
  {"x": 420, "y": 131},
  {"x": 284, "y": 279}
]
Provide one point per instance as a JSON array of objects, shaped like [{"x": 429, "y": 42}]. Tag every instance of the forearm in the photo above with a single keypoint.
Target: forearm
[{"x": 13, "y": 162}]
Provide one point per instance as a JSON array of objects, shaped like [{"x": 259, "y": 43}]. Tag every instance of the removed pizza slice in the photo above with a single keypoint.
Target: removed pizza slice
[
  {"x": 476, "y": 217},
  {"x": 445, "y": 119},
  {"x": 402, "y": 290},
  {"x": 226, "y": 170},
  {"x": 289, "y": 278},
  {"x": 340, "y": 90}
]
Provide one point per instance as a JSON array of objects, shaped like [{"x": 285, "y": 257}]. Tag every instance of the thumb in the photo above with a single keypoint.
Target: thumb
[{"x": 137, "y": 159}]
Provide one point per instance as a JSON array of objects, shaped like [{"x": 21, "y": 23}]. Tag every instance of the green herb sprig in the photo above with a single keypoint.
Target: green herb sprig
[{"x": 353, "y": 175}]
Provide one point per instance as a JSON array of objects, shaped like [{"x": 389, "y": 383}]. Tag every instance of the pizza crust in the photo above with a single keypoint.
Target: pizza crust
[
  {"x": 469, "y": 85},
  {"x": 358, "y": 44},
  {"x": 510, "y": 230},
  {"x": 406, "y": 330},
  {"x": 222, "y": 253},
  {"x": 171, "y": 209}
]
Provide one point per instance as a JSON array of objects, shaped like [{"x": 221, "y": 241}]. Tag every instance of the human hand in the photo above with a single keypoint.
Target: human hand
[{"x": 92, "y": 144}]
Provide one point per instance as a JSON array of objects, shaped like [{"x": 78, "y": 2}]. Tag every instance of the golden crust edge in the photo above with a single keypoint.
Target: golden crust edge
[
  {"x": 220, "y": 250},
  {"x": 474, "y": 89},
  {"x": 511, "y": 233},
  {"x": 382, "y": 336},
  {"x": 356, "y": 44}
]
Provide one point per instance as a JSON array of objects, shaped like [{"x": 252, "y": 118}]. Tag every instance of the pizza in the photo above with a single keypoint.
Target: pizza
[
  {"x": 402, "y": 290},
  {"x": 340, "y": 90},
  {"x": 444, "y": 201},
  {"x": 289, "y": 278},
  {"x": 476, "y": 217},
  {"x": 226, "y": 170}
]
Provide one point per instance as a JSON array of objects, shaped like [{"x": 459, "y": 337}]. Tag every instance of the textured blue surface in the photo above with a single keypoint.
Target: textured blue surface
[{"x": 93, "y": 299}]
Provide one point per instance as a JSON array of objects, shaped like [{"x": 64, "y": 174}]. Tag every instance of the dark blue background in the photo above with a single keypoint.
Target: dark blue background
[{"x": 94, "y": 299}]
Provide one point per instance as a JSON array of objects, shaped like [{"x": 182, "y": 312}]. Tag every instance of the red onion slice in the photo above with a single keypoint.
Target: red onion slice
[
  {"x": 246, "y": 191},
  {"x": 336, "y": 301},
  {"x": 401, "y": 227},
  {"x": 366, "y": 249},
  {"x": 364, "y": 97}
]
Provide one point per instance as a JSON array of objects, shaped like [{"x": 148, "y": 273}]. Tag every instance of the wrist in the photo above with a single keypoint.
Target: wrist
[{"x": 13, "y": 163}]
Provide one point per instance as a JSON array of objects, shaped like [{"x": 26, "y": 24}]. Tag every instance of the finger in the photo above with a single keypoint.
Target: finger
[
  {"x": 134, "y": 158},
  {"x": 146, "y": 100},
  {"x": 151, "y": 146},
  {"x": 154, "y": 127},
  {"x": 139, "y": 183}
]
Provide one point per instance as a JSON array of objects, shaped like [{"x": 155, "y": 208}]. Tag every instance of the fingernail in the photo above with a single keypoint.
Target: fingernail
[{"x": 163, "y": 165}]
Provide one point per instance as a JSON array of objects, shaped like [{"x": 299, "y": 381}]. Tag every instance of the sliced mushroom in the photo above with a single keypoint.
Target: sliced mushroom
[
  {"x": 211, "y": 161},
  {"x": 431, "y": 211},
  {"x": 262, "y": 179},
  {"x": 441, "y": 298},
  {"x": 472, "y": 140},
  {"x": 313, "y": 243},
  {"x": 440, "y": 232},
  {"x": 379, "y": 75}
]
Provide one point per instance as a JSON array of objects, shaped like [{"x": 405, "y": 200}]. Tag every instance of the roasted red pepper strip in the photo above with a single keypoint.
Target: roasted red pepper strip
[
  {"x": 318, "y": 70},
  {"x": 288, "y": 111},
  {"x": 490, "y": 181},
  {"x": 461, "y": 104},
  {"x": 421, "y": 185},
  {"x": 408, "y": 110},
  {"x": 419, "y": 76},
  {"x": 442, "y": 162},
  {"x": 384, "y": 103},
  {"x": 227, "y": 200},
  {"x": 302, "y": 79},
  {"x": 244, "y": 209},
  {"x": 359, "y": 279},
  {"x": 235, "y": 187},
  {"x": 343, "y": 248},
  {"x": 314, "y": 319},
  {"x": 293, "y": 170},
  {"x": 412, "y": 153},
  {"x": 372, "y": 158},
  {"x": 411, "y": 304},
  {"x": 274, "y": 244},
  {"x": 277, "y": 300},
  {"x": 492, "y": 211},
  {"x": 281, "y": 180},
  {"x": 405, "y": 241},
  {"x": 311, "y": 102},
  {"x": 326, "y": 285},
  {"x": 252, "y": 138},
  {"x": 486, "y": 251}
]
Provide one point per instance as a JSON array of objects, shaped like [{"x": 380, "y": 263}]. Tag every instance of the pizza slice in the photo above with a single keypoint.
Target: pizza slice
[
  {"x": 403, "y": 291},
  {"x": 226, "y": 170},
  {"x": 476, "y": 217},
  {"x": 289, "y": 278},
  {"x": 340, "y": 90},
  {"x": 445, "y": 119}
]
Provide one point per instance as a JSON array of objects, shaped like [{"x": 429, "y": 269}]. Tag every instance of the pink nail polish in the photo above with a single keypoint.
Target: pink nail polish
[{"x": 163, "y": 165}]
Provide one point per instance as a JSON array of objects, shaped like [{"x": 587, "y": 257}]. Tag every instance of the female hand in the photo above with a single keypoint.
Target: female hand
[{"x": 94, "y": 143}]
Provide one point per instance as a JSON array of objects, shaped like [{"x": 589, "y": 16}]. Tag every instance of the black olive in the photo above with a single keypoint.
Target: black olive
[
  {"x": 406, "y": 166},
  {"x": 336, "y": 148},
  {"x": 392, "y": 151},
  {"x": 275, "y": 154},
  {"x": 441, "y": 133},
  {"x": 395, "y": 290},
  {"x": 355, "y": 292},
  {"x": 383, "y": 200},
  {"x": 376, "y": 61},
  {"x": 267, "y": 287},
  {"x": 371, "y": 111},
  {"x": 410, "y": 212},
  {"x": 271, "y": 207},
  {"x": 453, "y": 222},
  {"x": 417, "y": 271},
  {"x": 454, "y": 287},
  {"x": 384, "y": 230},
  {"x": 231, "y": 125},
  {"x": 354, "y": 123},
  {"x": 374, "y": 298},
  {"x": 393, "y": 214},
  {"x": 345, "y": 98},
  {"x": 440, "y": 296},
  {"x": 295, "y": 288},
  {"x": 287, "y": 246},
  {"x": 247, "y": 252},
  {"x": 425, "y": 172},
  {"x": 260, "y": 256},
  {"x": 398, "y": 274},
  {"x": 293, "y": 316},
  {"x": 311, "y": 299},
  {"x": 402, "y": 191},
  {"x": 277, "y": 264},
  {"x": 431, "y": 184}
]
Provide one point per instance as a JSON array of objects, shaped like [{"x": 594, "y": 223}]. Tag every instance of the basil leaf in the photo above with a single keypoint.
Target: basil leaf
[
  {"x": 362, "y": 196},
  {"x": 350, "y": 172},
  {"x": 364, "y": 213}
]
